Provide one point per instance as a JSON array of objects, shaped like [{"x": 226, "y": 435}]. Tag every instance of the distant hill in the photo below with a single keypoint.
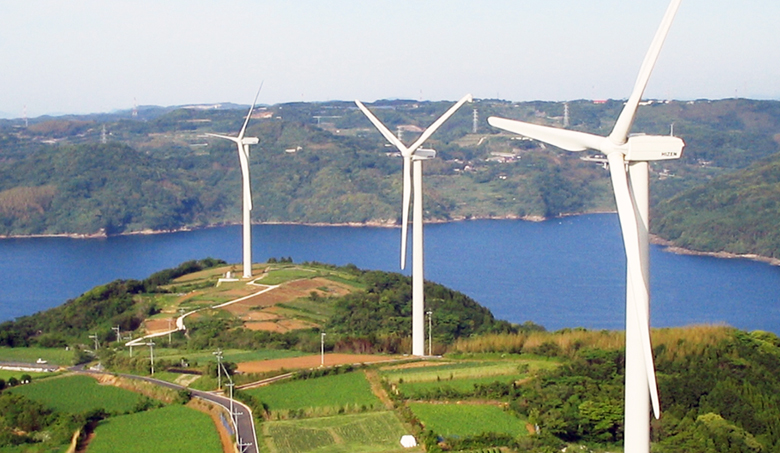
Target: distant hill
[
  {"x": 325, "y": 163},
  {"x": 737, "y": 213}
]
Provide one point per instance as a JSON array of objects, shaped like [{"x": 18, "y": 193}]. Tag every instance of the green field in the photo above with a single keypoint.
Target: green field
[
  {"x": 55, "y": 356},
  {"x": 451, "y": 371},
  {"x": 276, "y": 277},
  {"x": 330, "y": 391},
  {"x": 467, "y": 419},
  {"x": 78, "y": 394},
  {"x": 230, "y": 355},
  {"x": 5, "y": 374},
  {"x": 370, "y": 432},
  {"x": 171, "y": 429},
  {"x": 419, "y": 389}
]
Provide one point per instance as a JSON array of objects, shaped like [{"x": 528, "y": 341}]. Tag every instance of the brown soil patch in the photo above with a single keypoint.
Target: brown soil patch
[
  {"x": 314, "y": 284},
  {"x": 266, "y": 326},
  {"x": 159, "y": 325},
  {"x": 284, "y": 325},
  {"x": 310, "y": 361},
  {"x": 213, "y": 411}
]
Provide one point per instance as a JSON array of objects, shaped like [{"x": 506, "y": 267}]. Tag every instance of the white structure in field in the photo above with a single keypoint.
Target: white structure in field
[
  {"x": 408, "y": 441},
  {"x": 628, "y": 158},
  {"x": 414, "y": 156},
  {"x": 243, "y": 155}
]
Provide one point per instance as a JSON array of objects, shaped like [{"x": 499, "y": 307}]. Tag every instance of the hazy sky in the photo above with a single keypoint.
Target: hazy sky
[{"x": 96, "y": 56}]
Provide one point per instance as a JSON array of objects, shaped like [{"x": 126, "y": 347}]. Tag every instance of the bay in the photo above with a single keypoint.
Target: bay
[{"x": 559, "y": 273}]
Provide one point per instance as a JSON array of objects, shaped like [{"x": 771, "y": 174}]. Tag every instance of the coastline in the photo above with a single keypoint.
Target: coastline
[{"x": 667, "y": 245}]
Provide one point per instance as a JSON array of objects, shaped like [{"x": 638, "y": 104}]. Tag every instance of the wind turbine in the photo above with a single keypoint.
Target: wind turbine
[
  {"x": 243, "y": 156},
  {"x": 414, "y": 156},
  {"x": 631, "y": 196}
]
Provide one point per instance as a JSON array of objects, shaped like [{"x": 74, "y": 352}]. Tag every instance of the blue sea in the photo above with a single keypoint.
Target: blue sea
[{"x": 567, "y": 272}]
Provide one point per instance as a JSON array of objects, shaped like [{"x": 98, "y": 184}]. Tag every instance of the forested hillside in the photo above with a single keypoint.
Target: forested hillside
[
  {"x": 325, "y": 163},
  {"x": 737, "y": 213}
]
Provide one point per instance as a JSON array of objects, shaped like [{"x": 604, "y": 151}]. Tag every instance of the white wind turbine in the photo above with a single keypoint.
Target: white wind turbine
[
  {"x": 416, "y": 155},
  {"x": 631, "y": 196},
  {"x": 243, "y": 156}
]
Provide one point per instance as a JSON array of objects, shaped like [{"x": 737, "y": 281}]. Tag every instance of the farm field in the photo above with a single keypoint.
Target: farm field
[
  {"x": 171, "y": 429},
  {"x": 78, "y": 394},
  {"x": 230, "y": 355},
  {"x": 310, "y": 361},
  {"x": 467, "y": 419},
  {"x": 55, "y": 356},
  {"x": 369, "y": 432},
  {"x": 334, "y": 391},
  {"x": 5, "y": 374},
  {"x": 447, "y": 370}
]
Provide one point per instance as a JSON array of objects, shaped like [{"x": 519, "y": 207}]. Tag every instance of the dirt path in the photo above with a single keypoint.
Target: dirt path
[{"x": 376, "y": 386}]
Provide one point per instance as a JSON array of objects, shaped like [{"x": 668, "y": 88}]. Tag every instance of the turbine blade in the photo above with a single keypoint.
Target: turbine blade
[
  {"x": 242, "y": 158},
  {"x": 232, "y": 139},
  {"x": 383, "y": 130},
  {"x": 622, "y": 127},
  {"x": 406, "y": 201},
  {"x": 436, "y": 124},
  {"x": 248, "y": 115},
  {"x": 562, "y": 138},
  {"x": 629, "y": 228}
]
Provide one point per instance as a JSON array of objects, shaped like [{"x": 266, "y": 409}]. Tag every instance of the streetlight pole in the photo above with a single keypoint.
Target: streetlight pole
[
  {"x": 430, "y": 343},
  {"x": 322, "y": 349},
  {"x": 151, "y": 354}
]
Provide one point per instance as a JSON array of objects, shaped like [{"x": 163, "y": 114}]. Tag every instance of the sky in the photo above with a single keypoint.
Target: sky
[{"x": 91, "y": 56}]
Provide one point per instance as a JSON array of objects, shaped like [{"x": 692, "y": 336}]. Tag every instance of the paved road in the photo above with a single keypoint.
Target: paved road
[{"x": 246, "y": 435}]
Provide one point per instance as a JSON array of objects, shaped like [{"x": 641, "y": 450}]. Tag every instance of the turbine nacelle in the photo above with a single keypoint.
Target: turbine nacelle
[
  {"x": 250, "y": 140},
  {"x": 423, "y": 154},
  {"x": 645, "y": 148}
]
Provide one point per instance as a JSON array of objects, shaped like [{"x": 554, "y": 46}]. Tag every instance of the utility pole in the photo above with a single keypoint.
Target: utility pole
[
  {"x": 118, "y": 336},
  {"x": 565, "y": 114},
  {"x": 322, "y": 349},
  {"x": 169, "y": 331},
  {"x": 218, "y": 355},
  {"x": 97, "y": 343},
  {"x": 151, "y": 354},
  {"x": 430, "y": 342},
  {"x": 474, "y": 121}
]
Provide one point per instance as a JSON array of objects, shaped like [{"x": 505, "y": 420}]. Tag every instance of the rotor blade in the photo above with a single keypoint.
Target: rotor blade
[
  {"x": 388, "y": 135},
  {"x": 629, "y": 228},
  {"x": 407, "y": 196},
  {"x": 248, "y": 115},
  {"x": 436, "y": 124},
  {"x": 622, "y": 127},
  {"x": 232, "y": 139},
  {"x": 562, "y": 138},
  {"x": 245, "y": 177}
]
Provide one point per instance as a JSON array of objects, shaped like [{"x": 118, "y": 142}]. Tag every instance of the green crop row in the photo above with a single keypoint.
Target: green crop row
[
  {"x": 171, "y": 429},
  {"x": 371, "y": 432}
]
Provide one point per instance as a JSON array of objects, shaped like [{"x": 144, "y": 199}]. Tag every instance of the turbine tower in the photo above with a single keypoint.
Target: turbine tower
[
  {"x": 243, "y": 156},
  {"x": 631, "y": 196},
  {"x": 414, "y": 156}
]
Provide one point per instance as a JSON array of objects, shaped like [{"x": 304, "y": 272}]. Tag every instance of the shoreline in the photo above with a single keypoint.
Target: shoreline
[{"x": 668, "y": 246}]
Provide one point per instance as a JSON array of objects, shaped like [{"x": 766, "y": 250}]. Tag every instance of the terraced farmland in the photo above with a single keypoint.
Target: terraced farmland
[
  {"x": 171, "y": 429},
  {"x": 370, "y": 432},
  {"x": 463, "y": 420},
  {"x": 349, "y": 390},
  {"x": 79, "y": 394}
]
